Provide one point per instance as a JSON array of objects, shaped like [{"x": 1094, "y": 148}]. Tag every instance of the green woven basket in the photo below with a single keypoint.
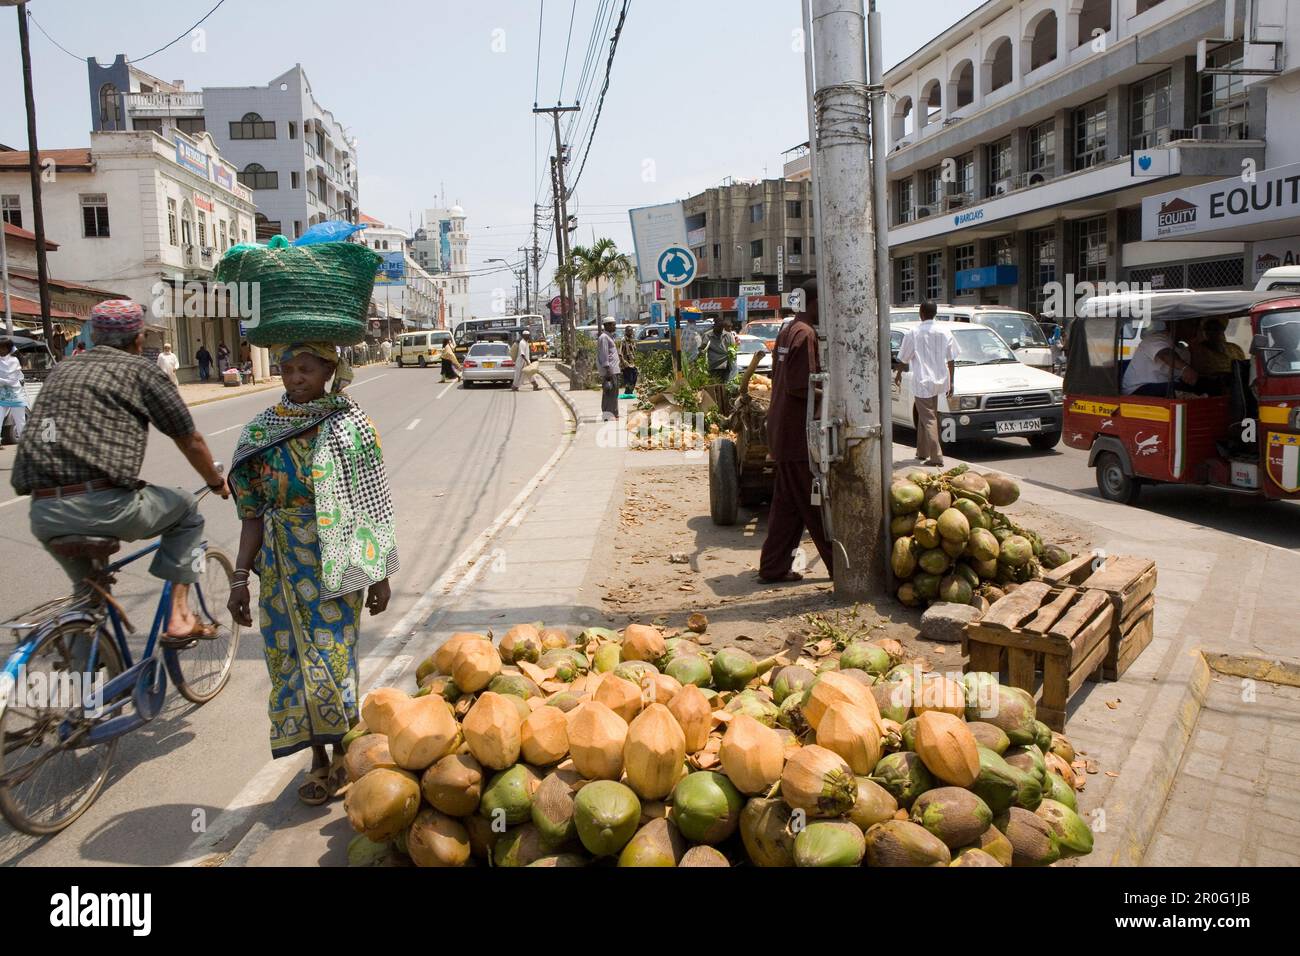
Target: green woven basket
[{"x": 317, "y": 293}]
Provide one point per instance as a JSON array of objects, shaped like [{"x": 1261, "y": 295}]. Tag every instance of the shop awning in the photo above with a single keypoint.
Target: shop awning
[{"x": 29, "y": 309}]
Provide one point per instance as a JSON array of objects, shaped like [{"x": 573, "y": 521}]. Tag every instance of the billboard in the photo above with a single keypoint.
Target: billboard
[
  {"x": 392, "y": 270},
  {"x": 191, "y": 157},
  {"x": 654, "y": 229}
]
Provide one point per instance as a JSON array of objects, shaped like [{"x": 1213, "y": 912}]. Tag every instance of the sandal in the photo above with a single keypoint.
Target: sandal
[
  {"x": 200, "y": 631},
  {"x": 314, "y": 791}
]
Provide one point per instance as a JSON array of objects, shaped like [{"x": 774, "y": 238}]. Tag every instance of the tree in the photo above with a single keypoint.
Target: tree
[{"x": 604, "y": 262}]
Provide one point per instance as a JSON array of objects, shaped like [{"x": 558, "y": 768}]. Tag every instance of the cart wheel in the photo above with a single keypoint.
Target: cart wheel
[
  {"x": 1112, "y": 482},
  {"x": 724, "y": 482}
]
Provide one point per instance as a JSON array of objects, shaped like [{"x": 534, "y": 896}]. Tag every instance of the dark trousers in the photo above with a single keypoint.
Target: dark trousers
[
  {"x": 609, "y": 395},
  {"x": 448, "y": 370},
  {"x": 203, "y": 372},
  {"x": 629, "y": 377},
  {"x": 792, "y": 511}
]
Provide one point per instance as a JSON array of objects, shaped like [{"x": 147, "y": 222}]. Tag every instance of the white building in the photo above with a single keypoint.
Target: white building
[
  {"x": 1026, "y": 136},
  {"x": 404, "y": 291},
  {"x": 441, "y": 247},
  {"x": 148, "y": 216},
  {"x": 297, "y": 157}
]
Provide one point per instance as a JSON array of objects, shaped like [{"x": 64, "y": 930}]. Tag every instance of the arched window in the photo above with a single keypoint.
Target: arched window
[
  {"x": 998, "y": 64},
  {"x": 1040, "y": 42},
  {"x": 903, "y": 121},
  {"x": 252, "y": 126},
  {"x": 110, "y": 107},
  {"x": 254, "y": 176},
  {"x": 962, "y": 89},
  {"x": 931, "y": 102},
  {"x": 187, "y": 224},
  {"x": 1093, "y": 15}
]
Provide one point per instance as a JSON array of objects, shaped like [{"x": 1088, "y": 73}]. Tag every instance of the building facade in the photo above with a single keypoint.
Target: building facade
[
  {"x": 1025, "y": 137},
  {"x": 441, "y": 248},
  {"x": 299, "y": 161},
  {"x": 149, "y": 217},
  {"x": 404, "y": 294},
  {"x": 758, "y": 233}
]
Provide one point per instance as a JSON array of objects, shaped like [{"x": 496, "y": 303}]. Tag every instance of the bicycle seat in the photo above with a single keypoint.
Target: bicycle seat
[{"x": 83, "y": 546}]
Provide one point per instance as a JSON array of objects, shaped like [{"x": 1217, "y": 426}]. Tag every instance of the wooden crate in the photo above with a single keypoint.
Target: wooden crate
[
  {"x": 1064, "y": 633},
  {"x": 1130, "y": 583}
]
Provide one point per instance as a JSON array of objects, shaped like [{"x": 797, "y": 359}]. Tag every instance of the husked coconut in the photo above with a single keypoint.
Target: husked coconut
[
  {"x": 474, "y": 666},
  {"x": 492, "y": 729},
  {"x": 831, "y": 687},
  {"x": 852, "y": 733},
  {"x": 596, "y": 739},
  {"x": 621, "y": 696},
  {"x": 641, "y": 642},
  {"x": 653, "y": 753},
  {"x": 947, "y": 748},
  {"x": 446, "y": 654},
  {"x": 544, "y": 736},
  {"x": 380, "y": 705},
  {"x": 752, "y": 754},
  {"x": 694, "y": 715},
  {"x": 422, "y": 731}
]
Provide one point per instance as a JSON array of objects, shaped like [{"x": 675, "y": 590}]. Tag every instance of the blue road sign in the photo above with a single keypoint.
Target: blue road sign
[{"x": 676, "y": 266}]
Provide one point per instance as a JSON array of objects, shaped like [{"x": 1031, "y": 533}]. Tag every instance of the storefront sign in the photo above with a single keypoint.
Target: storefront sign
[
  {"x": 1227, "y": 204},
  {"x": 1271, "y": 253},
  {"x": 191, "y": 157},
  {"x": 987, "y": 277},
  {"x": 223, "y": 177},
  {"x": 204, "y": 203},
  {"x": 754, "y": 303},
  {"x": 752, "y": 288},
  {"x": 392, "y": 271}
]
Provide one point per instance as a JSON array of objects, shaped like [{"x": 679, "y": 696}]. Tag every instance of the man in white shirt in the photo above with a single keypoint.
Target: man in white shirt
[
  {"x": 1157, "y": 365},
  {"x": 522, "y": 355},
  {"x": 168, "y": 362},
  {"x": 929, "y": 351},
  {"x": 609, "y": 367},
  {"x": 13, "y": 403}
]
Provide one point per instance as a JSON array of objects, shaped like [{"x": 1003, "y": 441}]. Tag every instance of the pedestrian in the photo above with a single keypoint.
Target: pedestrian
[
  {"x": 386, "y": 350},
  {"x": 450, "y": 362},
  {"x": 607, "y": 365},
  {"x": 792, "y": 510},
  {"x": 204, "y": 358},
  {"x": 314, "y": 455},
  {"x": 245, "y": 352},
  {"x": 929, "y": 351},
  {"x": 690, "y": 342},
  {"x": 86, "y": 481},
  {"x": 223, "y": 359},
  {"x": 13, "y": 403},
  {"x": 720, "y": 350},
  {"x": 169, "y": 362},
  {"x": 627, "y": 358},
  {"x": 79, "y": 347},
  {"x": 522, "y": 354}
]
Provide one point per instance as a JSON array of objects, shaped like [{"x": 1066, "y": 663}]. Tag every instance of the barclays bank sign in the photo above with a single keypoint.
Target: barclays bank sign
[{"x": 966, "y": 218}]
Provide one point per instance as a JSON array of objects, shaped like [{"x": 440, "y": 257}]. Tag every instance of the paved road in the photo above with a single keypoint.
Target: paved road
[
  {"x": 1275, "y": 523},
  {"x": 456, "y": 459}
]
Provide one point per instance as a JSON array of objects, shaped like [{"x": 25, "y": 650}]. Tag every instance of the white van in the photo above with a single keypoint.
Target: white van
[
  {"x": 994, "y": 394},
  {"x": 420, "y": 348},
  {"x": 1280, "y": 279},
  {"x": 1018, "y": 329}
]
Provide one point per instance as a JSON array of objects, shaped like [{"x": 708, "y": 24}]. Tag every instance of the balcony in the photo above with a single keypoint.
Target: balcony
[{"x": 164, "y": 104}]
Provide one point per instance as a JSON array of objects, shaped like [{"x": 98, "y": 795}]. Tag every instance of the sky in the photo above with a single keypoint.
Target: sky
[{"x": 439, "y": 93}]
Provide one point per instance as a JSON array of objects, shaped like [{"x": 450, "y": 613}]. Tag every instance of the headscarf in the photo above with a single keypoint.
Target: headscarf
[{"x": 324, "y": 351}]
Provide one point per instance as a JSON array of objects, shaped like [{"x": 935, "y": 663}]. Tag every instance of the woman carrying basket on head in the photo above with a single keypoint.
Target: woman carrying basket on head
[{"x": 310, "y": 486}]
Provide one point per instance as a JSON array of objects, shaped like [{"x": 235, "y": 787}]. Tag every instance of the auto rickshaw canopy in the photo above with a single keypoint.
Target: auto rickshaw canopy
[{"x": 1105, "y": 323}]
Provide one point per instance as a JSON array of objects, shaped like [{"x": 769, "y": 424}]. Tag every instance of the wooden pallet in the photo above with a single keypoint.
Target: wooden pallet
[
  {"x": 1064, "y": 633},
  {"x": 1130, "y": 583}
]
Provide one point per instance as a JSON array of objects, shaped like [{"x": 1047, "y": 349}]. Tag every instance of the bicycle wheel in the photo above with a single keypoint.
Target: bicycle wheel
[
  {"x": 47, "y": 782},
  {"x": 202, "y": 669}
]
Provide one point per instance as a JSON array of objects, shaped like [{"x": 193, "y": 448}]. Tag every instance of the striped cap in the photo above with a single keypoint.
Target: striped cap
[{"x": 117, "y": 315}]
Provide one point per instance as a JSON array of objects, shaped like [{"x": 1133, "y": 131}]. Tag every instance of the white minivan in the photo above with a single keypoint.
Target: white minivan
[
  {"x": 994, "y": 395},
  {"x": 420, "y": 349},
  {"x": 1280, "y": 279},
  {"x": 1018, "y": 329}
]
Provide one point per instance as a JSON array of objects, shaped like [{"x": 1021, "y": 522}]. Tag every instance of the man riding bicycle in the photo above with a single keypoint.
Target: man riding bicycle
[{"x": 80, "y": 459}]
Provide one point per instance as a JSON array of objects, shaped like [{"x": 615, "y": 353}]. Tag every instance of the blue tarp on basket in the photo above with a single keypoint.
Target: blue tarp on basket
[{"x": 332, "y": 230}]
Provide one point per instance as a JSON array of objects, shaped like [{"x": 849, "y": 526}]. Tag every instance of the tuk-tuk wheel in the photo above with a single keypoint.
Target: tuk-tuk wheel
[
  {"x": 724, "y": 482},
  {"x": 1112, "y": 482}
]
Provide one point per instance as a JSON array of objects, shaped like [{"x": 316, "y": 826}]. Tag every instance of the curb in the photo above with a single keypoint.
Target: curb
[
  {"x": 222, "y": 398},
  {"x": 568, "y": 402},
  {"x": 1286, "y": 673}
]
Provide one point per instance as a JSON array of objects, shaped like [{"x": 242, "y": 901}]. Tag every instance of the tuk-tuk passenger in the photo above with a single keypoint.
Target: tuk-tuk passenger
[
  {"x": 1213, "y": 355},
  {"x": 1157, "y": 355}
]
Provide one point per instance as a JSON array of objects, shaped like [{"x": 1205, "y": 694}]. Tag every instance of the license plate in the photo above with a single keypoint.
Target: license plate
[
  {"x": 1020, "y": 426},
  {"x": 489, "y": 364}
]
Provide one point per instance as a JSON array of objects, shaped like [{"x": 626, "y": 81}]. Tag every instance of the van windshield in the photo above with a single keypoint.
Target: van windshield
[
  {"x": 1283, "y": 331},
  {"x": 1018, "y": 330},
  {"x": 979, "y": 346}
]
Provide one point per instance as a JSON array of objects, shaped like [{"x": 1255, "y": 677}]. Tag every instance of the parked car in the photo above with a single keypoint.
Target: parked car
[
  {"x": 1279, "y": 279},
  {"x": 421, "y": 349},
  {"x": 994, "y": 394},
  {"x": 748, "y": 345},
  {"x": 487, "y": 362},
  {"x": 1018, "y": 329},
  {"x": 765, "y": 329}
]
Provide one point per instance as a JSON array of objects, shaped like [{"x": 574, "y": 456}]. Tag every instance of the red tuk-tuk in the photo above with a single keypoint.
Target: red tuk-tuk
[{"x": 1242, "y": 435}]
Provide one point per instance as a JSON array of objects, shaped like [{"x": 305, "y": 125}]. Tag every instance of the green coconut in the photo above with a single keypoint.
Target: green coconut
[
  {"x": 1060, "y": 791},
  {"x": 606, "y": 814},
  {"x": 519, "y": 846},
  {"x": 907, "y": 595},
  {"x": 927, "y": 584},
  {"x": 733, "y": 668},
  {"x": 955, "y": 589},
  {"x": 905, "y": 497},
  {"x": 903, "y": 557},
  {"x": 829, "y": 843},
  {"x": 701, "y": 856},
  {"x": 658, "y": 843},
  {"x": 987, "y": 735},
  {"x": 791, "y": 679},
  {"x": 955, "y": 815},
  {"x": 982, "y": 545},
  {"x": 926, "y": 533},
  {"x": 607, "y": 658},
  {"x": 893, "y": 699},
  {"x": 904, "y": 776},
  {"x": 953, "y": 526},
  {"x": 935, "y": 561},
  {"x": 516, "y": 684},
  {"x": 635, "y": 671},
  {"x": 553, "y": 807},
  {"x": 860, "y": 655},
  {"x": 561, "y": 859},
  {"x": 874, "y": 805},
  {"x": 1015, "y": 552},
  {"x": 676, "y": 647},
  {"x": 765, "y": 832},
  {"x": 366, "y": 852},
  {"x": 569, "y": 663},
  {"x": 1033, "y": 841},
  {"x": 903, "y": 843},
  {"x": 1008, "y": 708},
  {"x": 974, "y": 514},
  {"x": 902, "y": 524},
  {"x": 1028, "y": 759},
  {"x": 1054, "y": 556},
  {"x": 790, "y": 714},
  {"x": 690, "y": 669},
  {"x": 1002, "y": 490},
  {"x": 706, "y": 807},
  {"x": 1042, "y": 737},
  {"x": 972, "y": 482},
  {"x": 954, "y": 549},
  {"x": 360, "y": 730},
  {"x": 509, "y": 795},
  {"x": 937, "y": 501},
  {"x": 998, "y": 782},
  {"x": 592, "y": 634},
  {"x": 444, "y": 687},
  {"x": 754, "y": 705},
  {"x": 967, "y": 574},
  {"x": 1072, "y": 833},
  {"x": 564, "y": 700},
  {"x": 969, "y": 856}
]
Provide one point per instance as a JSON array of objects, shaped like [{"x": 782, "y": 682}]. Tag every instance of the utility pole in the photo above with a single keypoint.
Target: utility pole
[
  {"x": 847, "y": 303},
  {"x": 528, "y": 289},
  {"x": 562, "y": 234},
  {"x": 34, "y": 167},
  {"x": 537, "y": 280}
]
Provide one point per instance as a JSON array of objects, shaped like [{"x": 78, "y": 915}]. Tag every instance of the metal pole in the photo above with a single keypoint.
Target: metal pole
[
  {"x": 880, "y": 213},
  {"x": 34, "y": 167},
  {"x": 846, "y": 270},
  {"x": 4, "y": 269}
]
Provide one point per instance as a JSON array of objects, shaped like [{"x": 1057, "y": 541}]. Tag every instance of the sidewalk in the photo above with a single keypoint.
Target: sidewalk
[
  {"x": 533, "y": 571},
  {"x": 201, "y": 393},
  {"x": 1217, "y": 594}
]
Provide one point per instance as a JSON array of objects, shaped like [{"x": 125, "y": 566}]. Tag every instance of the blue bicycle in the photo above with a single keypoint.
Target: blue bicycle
[{"x": 71, "y": 688}]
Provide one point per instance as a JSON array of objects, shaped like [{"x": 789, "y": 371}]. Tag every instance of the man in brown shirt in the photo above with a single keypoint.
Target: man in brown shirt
[
  {"x": 80, "y": 458},
  {"x": 787, "y": 440}
]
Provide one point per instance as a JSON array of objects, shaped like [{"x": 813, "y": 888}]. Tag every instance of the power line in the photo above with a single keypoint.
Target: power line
[
  {"x": 81, "y": 59},
  {"x": 182, "y": 36},
  {"x": 609, "y": 66},
  {"x": 572, "y": 10},
  {"x": 537, "y": 73},
  {"x": 599, "y": 30}
]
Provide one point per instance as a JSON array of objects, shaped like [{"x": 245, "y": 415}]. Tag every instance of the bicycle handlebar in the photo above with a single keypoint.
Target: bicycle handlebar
[{"x": 203, "y": 492}]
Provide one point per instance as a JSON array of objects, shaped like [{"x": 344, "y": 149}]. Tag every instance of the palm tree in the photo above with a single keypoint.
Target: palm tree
[{"x": 604, "y": 261}]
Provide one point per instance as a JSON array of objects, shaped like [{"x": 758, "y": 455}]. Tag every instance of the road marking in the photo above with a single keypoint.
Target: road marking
[
  {"x": 368, "y": 380},
  {"x": 273, "y": 776},
  {"x": 224, "y": 430},
  {"x": 414, "y": 422},
  {"x": 450, "y": 386},
  {"x": 13, "y": 501}
]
